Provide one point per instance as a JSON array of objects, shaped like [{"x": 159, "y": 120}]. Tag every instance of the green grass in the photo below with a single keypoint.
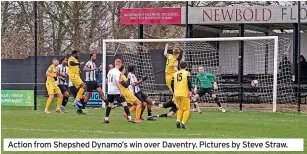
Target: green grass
[{"x": 23, "y": 122}]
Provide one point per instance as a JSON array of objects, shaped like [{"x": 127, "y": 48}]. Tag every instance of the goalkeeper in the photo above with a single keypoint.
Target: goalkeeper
[{"x": 205, "y": 80}]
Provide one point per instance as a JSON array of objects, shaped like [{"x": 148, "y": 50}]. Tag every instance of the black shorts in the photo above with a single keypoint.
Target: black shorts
[
  {"x": 118, "y": 98},
  {"x": 203, "y": 91},
  {"x": 171, "y": 105},
  {"x": 63, "y": 88},
  {"x": 91, "y": 85},
  {"x": 173, "y": 109},
  {"x": 141, "y": 96},
  {"x": 73, "y": 91}
]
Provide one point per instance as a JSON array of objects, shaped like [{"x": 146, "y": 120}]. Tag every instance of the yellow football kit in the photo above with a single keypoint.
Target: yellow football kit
[
  {"x": 52, "y": 87},
  {"x": 181, "y": 93},
  {"x": 129, "y": 97},
  {"x": 51, "y": 84},
  {"x": 171, "y": 62},
  {"x": 74, "y": 72}
]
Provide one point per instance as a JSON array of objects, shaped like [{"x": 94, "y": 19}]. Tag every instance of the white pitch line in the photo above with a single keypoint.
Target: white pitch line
[
  {"x": 302, "y": 114},
  {"x": 102, "y": 131}
]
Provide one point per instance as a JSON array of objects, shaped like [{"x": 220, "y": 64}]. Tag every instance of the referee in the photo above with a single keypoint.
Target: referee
[{"x": 62, "y": 70}]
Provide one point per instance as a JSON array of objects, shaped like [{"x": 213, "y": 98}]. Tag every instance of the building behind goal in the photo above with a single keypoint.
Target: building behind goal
[{"x": 236, "y": 62}]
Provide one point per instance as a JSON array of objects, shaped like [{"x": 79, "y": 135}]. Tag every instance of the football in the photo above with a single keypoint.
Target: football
[{"x": 254, "y": 83}]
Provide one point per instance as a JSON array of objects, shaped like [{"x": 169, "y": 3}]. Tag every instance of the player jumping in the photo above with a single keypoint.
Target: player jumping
[
  {"x": 74, "y": 76},
  {"x": 171, "y": 65},
  {"x": 62, "y": 70},
  {"x": 52, "y": 86},
  {"x": 114, "y": 92},
  {"x": 182, "y": 88},
  {"x": 205, "y": 79},
  {"x": 135, "y": 89},
  {"x": 90, "y": 79},
  {"x": 130, "y": 98},
  {"x": 170, "y": 70}
]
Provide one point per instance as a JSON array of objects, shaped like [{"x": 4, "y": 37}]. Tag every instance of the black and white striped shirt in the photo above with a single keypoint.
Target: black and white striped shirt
[
  {"x": 63, "y": 70},
  {"x": 132, "y": 87},
  {"x": 90, "y": 75}
]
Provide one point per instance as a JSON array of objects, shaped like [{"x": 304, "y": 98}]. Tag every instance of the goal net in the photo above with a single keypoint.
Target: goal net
[{"x": 263, "y": 58}]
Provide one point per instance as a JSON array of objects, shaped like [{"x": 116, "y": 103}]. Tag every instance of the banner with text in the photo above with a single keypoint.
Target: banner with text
[
  {"x": 236, "y": 15},
  {"x": 17, "y": 97},
  {"x": 94, "y": 100},
  {"x": 150, "y": 16},
  {"x": 214, "y": 15},
  {"x": 153, "y": 144}
]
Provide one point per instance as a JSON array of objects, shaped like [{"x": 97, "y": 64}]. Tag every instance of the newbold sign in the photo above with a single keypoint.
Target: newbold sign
[{"x": 221, "y": 15}]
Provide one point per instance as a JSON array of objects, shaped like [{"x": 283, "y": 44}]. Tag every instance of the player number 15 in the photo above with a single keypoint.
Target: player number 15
[{"x": 179, "y": 77}]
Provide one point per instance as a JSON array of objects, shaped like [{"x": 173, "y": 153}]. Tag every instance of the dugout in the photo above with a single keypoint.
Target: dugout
[{"x": 207, "y": 22}]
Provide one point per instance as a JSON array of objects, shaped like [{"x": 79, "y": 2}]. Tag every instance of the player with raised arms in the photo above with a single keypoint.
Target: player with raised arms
[
  {"x": 114, "y": 92},
  {"x": 62, "y": 70},
  {"x": 74, "y": 76},
  {"x": 171, "y": 65},
  {"x": 205, "y": 79},
  {"x": 170, "y": 70},
  {"x": 130, "y": 98},
  {"x": 182, "y": 87},
  {"x": 52, "y": 87},
  {"x": 135, "y": 89},
  {"x": 90, "y": 79}
]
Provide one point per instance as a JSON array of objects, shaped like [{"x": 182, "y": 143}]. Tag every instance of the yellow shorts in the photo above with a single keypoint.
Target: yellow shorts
[
  {"x": 52, "y": 89},
  {"x": 129, "y": 97},
  {"x": 76, "y": 80},
  {"x": 183, "y": 102},
  {"x": 168, "y": 80}
]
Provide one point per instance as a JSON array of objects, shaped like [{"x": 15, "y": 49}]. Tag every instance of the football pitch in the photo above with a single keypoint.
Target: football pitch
[{"x": 21, "y": 122}]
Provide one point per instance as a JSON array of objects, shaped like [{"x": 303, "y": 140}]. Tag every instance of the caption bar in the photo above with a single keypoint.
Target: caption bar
[{"x": 153, "y": 144}]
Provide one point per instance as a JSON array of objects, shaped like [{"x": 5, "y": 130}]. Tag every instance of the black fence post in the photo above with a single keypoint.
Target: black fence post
[
  {"x": 241, "y": 65},
  {"x": 187, "y": 28},
  {"x": 298, "y": 55},
  {"x": 35, "y": 54}
]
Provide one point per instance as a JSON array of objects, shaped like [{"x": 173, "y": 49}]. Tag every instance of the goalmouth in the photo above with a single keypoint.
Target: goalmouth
[{"x": 261, "y": 60}]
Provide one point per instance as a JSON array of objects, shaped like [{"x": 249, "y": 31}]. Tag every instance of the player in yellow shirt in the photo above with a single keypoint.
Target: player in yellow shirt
[
  {"x": 52, "y": 86},
  {"x": 182, "y": 88},
  {"x": 129, "y": 96},
  {"x": 75, "y": 78},
  {"x": 171, "y": 65},
  {"x": 170, "y": 70}
]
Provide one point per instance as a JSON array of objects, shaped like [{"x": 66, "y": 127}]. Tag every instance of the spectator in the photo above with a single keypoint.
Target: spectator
[
  {"x": 303, "y": 69},
  {"x": 99, "y": 75}
]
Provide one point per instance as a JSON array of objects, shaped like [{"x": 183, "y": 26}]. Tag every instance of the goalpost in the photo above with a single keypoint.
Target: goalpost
[{"x": 263, "y": 61}]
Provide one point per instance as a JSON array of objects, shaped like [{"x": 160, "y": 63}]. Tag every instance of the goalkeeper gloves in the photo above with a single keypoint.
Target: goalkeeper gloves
[
  {"x": 144, "y": 78},
  {"x": 215, "y": 86}
]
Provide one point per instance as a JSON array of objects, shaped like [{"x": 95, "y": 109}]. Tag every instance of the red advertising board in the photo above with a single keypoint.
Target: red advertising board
[{"x": 150, "y": 16}]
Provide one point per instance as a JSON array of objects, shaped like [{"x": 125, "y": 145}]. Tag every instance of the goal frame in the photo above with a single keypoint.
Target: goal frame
[{"x": 275, "y": 38}]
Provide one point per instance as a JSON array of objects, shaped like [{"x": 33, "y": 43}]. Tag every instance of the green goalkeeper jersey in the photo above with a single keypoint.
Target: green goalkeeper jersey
[{"x": 205, "y": 79}]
